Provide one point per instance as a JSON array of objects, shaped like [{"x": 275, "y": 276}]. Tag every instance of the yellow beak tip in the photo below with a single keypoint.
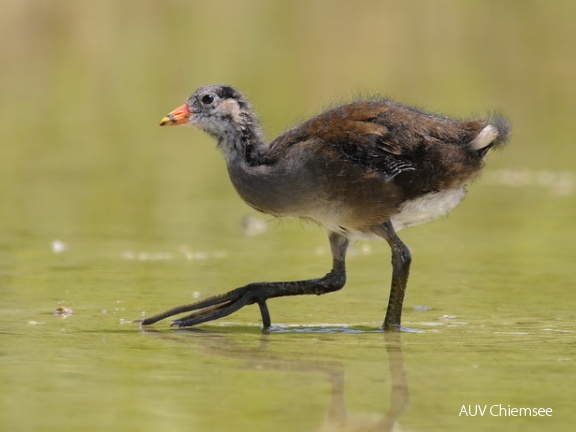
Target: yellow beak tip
[{"x": 166, "y": 120}]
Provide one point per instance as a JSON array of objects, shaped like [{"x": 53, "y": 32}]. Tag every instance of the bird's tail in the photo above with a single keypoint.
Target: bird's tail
[{"x": 495, "y": 135}]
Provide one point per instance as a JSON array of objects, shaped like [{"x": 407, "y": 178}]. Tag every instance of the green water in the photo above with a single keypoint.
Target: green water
[{"x": 107, "y": 214}]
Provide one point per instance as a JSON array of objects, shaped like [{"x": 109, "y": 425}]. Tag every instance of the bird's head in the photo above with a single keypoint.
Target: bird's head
[{"x": 216, "y": 109}]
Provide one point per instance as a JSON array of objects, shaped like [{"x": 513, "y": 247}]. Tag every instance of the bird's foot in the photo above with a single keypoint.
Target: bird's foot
[
  {"x": 397, "y": 328},
  {"x": 213, "y": 308}
]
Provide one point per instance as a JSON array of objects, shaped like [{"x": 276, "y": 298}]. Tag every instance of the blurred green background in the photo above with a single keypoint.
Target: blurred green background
[
  {"x": 85, "y": 83},
  {"x": 103, "y": 211}
]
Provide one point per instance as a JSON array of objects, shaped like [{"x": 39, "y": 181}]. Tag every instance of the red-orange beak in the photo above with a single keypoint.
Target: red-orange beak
[{"x": 178, "y": 116}]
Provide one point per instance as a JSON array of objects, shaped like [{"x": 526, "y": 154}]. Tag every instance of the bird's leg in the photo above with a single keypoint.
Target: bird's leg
[
  {"x": 223, "y": 305},
  {"x": 401, "y": 259}
]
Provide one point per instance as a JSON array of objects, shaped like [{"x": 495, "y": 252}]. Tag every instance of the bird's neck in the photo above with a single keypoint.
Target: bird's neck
[{"x": 242, "y": 140}]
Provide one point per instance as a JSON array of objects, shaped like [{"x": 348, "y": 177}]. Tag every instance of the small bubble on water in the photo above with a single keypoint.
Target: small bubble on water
[{"x": 58, "y": 246}]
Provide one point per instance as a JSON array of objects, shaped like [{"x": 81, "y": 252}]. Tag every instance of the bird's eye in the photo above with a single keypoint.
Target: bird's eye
[{"x": 207, "y": 99}]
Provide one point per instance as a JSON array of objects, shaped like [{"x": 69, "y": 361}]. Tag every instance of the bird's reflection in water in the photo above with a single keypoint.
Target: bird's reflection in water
[{"x": 337, "y": 418}]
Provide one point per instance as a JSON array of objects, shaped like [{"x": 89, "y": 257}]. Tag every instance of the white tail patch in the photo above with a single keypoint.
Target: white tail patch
[{"x": 484, "y": 138}]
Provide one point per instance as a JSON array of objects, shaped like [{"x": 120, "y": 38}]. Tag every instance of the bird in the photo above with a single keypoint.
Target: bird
[{"x": 363, "y": 169}]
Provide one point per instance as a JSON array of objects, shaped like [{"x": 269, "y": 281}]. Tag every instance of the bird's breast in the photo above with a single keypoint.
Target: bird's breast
[
  {"x": 272, "y": 189},
  {"x": 340, "y": 197}
]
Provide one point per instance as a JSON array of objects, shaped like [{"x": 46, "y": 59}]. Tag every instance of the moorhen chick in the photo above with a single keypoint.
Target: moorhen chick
[{"x": 361, "y": 170}]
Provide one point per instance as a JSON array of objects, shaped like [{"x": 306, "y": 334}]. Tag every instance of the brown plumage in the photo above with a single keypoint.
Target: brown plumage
[{"x": 364, "y": 169}]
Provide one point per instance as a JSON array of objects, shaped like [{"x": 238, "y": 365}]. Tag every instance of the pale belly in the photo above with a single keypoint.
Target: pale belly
[
  {"x": 297, "y": 196},
  {"x": 421, "y": 210},
  {"x": 427, "y": 208}
]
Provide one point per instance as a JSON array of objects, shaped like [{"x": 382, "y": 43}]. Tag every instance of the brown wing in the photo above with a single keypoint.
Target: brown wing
[{"x": 425, "y": 150}]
